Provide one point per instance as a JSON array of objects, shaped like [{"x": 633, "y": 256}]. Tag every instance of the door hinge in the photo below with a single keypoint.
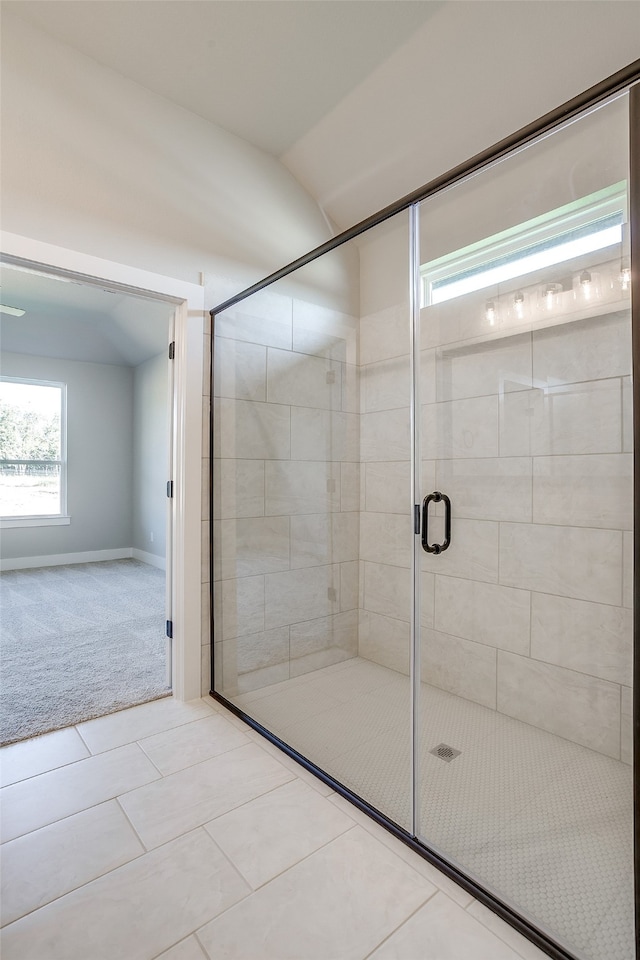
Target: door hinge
[
  {"x": 172, "y": 350},
  {"x": 169, "y": 488},
  {"x": 169, "y": 629}
]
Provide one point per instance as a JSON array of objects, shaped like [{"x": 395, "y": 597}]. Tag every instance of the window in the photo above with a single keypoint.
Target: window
[
  {"x": 32, "y": 452},
  {"x": 584, "y": 226}
]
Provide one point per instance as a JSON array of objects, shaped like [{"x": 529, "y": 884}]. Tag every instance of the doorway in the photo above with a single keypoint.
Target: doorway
[{"x": 85, "y": 391}]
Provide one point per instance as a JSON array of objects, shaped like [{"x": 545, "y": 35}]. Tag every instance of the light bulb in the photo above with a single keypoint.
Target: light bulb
[
  {"x": 625, "y": 277},
  {"x": 491, "y": 312},
  {"x": 549, "y": 294},
  {"x": 518, "y": 303},
  {"x": 585, "y": 283}
]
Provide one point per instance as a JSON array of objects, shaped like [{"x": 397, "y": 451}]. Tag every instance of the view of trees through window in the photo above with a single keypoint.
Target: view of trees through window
[{"x": 31, "y": 448}]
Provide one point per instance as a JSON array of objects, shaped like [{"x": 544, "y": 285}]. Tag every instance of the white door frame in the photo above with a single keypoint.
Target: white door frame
[{"x": 186, "y": 560}]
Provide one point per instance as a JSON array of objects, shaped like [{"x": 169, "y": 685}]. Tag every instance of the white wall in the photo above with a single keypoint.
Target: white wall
[
  {"x": 150, "y": 455},
  {"x": 93, "y": 162},
  {"x": 473, "y": 74},
  {"x": 99, "y": 457}
]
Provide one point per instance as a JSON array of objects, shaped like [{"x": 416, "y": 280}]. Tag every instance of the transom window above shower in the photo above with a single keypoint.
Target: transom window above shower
[{"x": 567, "y": 258}]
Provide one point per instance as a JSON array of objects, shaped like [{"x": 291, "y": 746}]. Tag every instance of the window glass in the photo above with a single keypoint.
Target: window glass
[{"x": 31, "y": 448}]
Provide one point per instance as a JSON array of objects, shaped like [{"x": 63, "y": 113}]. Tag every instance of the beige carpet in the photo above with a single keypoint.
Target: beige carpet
[{"x": 78, "y": 642}]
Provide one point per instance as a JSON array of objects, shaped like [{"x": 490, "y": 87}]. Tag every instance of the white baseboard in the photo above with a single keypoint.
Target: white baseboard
[
  {"x": 58, "y": 559},
  {"x": 151, "y": 558}
]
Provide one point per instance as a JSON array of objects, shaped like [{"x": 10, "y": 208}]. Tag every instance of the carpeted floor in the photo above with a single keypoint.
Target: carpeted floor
[{"x": 78, "y": 642}]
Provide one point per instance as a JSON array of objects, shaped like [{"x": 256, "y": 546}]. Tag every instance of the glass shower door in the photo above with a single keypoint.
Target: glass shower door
[{"x": 525, "y": 443}]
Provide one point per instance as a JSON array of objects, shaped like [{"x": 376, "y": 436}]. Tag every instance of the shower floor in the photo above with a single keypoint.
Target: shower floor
[{"x": 544, "y": 823}]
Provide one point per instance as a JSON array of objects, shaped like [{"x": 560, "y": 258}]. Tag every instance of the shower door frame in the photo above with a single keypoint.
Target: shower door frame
[{"x": 627, "y": 79}]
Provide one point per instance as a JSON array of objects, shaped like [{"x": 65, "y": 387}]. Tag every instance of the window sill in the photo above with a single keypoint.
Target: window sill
[{"x": 6, "y": 523}]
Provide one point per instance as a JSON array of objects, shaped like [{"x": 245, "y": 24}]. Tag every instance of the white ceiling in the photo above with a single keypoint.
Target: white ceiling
[
  {"x": 266, "y": 70},
  {"x": 75, "y": 321}
]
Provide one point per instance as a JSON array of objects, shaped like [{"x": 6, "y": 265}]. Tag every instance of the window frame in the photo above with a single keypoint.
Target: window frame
[
  {"x": 513, "y": 242},
  {"x": 43, "y": 519}
]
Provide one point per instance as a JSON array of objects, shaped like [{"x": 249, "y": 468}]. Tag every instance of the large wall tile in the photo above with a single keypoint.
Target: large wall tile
[
  {"x": 293, "y": 486},
  {"x": 460, "y": 428},
  {"x": 495, "y": 489},
  {"x": 251, "y": 547},
  {"x": 485, "y": 612},
  {"x": 626, "y": 733},
  {"x": 627, "y": 415},
  {"x": 385, "y": 641},
  {"x": 238, "y": 488},
  {"x": 386, "y": 385},
  {"x": 264, "y": 649},
  {"x": 578, "y": 418},
  {"x": 350, "y": 387},
  {"x": 385, "y": 435},
  {"x": 484, "y": 369},
  {"x": 239, "y": 370},
  {"x": 248, "y": 430},
  {"x": 324, "y": 332},
  {"x": 385, "y": 334},
  {"x": 349, "y": 585},
  {"x": 427, "y": 599},
  {"x": 301, "y": 595},
  {"x": 627, "y": 569},
  {"x": 516, "y": 412},
  {"x": 388, "y": 486},
  {"x": 388, "y": 590},
  {"x": 311, "y": 636},
  {"x": 564, "y": 561},
  {"x": 473, "y": 554},
  {"x": 569, "y": 704},
  {"x": 459, "y": 666},
  {"x": 350, "y": 486},
  {"x": 324, "y": 435},
  {"x": 592, "y": 349},
  {"x": 428, "y": 376},
  {"x": 263, "y": 318},
  {"x": 303, "y": 381},
  {"x": 320, "y": 538},
  {"x": 386, "y": 538},
  {"x": 588, "y": 637},
  {"x": 590, "y": 491},
  {"x": 242, "y": 603}
]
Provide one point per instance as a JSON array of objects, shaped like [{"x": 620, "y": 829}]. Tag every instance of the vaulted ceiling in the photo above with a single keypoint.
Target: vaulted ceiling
[{"x": 267, "y": 70}]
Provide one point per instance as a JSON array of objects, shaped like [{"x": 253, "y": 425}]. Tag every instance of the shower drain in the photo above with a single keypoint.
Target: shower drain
[{"x": 445, "y": 752}]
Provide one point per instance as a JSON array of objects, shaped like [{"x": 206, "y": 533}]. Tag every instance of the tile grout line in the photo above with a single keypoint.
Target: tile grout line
[{"x": 406, "y": 920}]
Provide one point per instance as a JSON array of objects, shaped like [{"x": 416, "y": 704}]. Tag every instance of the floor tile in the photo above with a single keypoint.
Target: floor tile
[
  {"x": 134, "y": 912},
  {"x": 188, "y": 949},
  {"x": 34, "y": 803},
  {"x": 192, "y": 743},
  {"x": 444, "y": 930},
  {"x": 272, "y": 833},
  {"x": 523, "y": 947},
  {"x": 338, "y": 903},
  {"x": 319, "y": 785},
  {"x": 31, "y": 757},
  {"x": 418, "y": 863},
  {"x": 116, "y": 729},
  {"x": 44, "y": 865},
  {"x": 191, "y": 797}
]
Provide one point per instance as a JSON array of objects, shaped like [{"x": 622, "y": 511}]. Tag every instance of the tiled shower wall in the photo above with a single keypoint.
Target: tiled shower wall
[
  {"x": 286, "y": 490},
  {"x": 529, "y": 611}
]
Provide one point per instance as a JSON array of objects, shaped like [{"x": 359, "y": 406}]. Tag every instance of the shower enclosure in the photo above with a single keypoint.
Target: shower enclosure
[{"x": 422, "y": 535}]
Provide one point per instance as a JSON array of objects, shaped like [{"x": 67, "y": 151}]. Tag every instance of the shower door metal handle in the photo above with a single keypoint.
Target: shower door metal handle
[{"x": 436, "y": 497}]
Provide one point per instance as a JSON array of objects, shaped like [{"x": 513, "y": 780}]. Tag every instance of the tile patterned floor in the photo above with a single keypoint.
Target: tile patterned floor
[
  {"x": 545, "y": 823},
  {"x": 174, "y": 831}
]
